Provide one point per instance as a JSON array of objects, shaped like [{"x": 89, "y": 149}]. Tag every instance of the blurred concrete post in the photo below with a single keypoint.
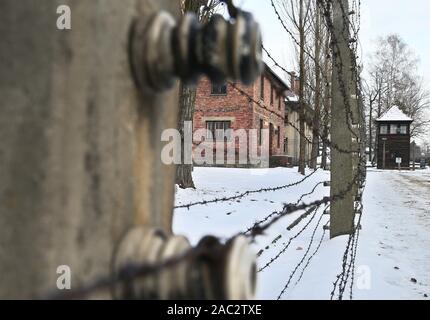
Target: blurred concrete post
[
  {"x": 342, "y": 211},
  {"x": 79, "y": 158}
]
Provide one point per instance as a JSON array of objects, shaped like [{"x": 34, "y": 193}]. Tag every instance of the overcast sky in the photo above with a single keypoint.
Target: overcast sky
[{"x": 408, "y": 18}]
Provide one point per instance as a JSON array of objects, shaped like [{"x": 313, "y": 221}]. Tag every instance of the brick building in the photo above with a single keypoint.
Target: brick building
[{"x": 225, "y": 107}]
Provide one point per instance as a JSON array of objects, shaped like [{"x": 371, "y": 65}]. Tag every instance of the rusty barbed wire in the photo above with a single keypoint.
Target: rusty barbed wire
[
  {"x": 350, "y": 271},
  {"x": 348, "y": 265},
  {"x": 351, "y": 248},
  {"x": 312, "y": 210},
  {"x": 326, "y": 9},
  {"x": 354, "y": 257},
  {"x": 256, "y": 224},
  {"x": 262, "y": 105},
  {"x": 276, "y": 63},
  {"x": 246, "y": 193},
  {"x": 304, "y": 255},
  {"x": 289, "y": 32},
  {"x": 349, "y": 256},
  {"x": 313, "y": 254}
]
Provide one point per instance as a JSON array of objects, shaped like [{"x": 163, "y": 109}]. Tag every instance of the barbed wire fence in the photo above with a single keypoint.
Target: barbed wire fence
[{"x": 312, "y": 211}]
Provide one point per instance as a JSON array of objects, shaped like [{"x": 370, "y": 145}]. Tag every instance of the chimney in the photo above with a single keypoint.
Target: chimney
[{"x": 297, "y": 86}]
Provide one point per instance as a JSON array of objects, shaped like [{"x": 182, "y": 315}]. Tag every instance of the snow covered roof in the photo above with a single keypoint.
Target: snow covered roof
[
  {"x": 292, "y": 97},
  {"x": 394, "y": 114},
  {"x": 277, "y": 78}
]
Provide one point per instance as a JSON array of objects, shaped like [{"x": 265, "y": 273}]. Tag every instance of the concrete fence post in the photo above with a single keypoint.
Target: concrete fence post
[
  {"x": 79, "y": 147},
  {"x": 342, "y": 210}
]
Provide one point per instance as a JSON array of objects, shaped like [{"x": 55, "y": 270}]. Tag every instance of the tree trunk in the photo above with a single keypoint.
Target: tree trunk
[
  {"x": 327, "y": 101},
  {"x": 370, "y": 129},
  {"x": 187, "y": 101},
  {"x": 303, "y": 140},
  {"x": 379, "y": 113},
  {"x": 324, "y": 135},
  {"x": 317, "y": 110}
]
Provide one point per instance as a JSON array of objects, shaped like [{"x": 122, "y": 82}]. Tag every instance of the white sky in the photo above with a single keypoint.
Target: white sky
[{"x": 408, "y": 18}]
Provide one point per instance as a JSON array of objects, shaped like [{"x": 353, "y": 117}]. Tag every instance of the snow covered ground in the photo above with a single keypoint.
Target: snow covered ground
[{"x": 393, "y": 259}]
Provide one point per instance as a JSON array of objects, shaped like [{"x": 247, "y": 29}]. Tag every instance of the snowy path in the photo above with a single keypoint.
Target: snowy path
[
  {"x": 396, "y": 240},
  {"x": 394, "y": 245}
]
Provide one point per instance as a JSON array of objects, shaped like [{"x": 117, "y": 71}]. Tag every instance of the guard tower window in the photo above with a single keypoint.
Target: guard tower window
[{"x": 383, "y": 129}]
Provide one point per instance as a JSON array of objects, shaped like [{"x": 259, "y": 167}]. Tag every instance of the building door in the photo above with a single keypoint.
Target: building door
[{"x": 386, "y": 156}]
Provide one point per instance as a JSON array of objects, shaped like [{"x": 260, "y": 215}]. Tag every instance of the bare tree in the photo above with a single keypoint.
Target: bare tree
[
  {"x": 326, "y": 101},
  {"x": 373, "y": 95},
  {"x": 299, "y": 15},
  {"x": 394, "y": 80},
  {"x": 415, "y": 101},
  {"x": 204, "y": 9},
  {"x": 317, "y": 109}
]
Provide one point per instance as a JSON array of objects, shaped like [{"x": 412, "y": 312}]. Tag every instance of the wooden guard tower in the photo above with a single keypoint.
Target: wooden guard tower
[{"x": 393, "y": 139}]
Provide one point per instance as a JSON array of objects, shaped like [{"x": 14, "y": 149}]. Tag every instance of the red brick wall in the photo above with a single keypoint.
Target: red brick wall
[
  {"x": 233, "y": 105},
  {"x": 272, "y": 114},
  {"x": 237, "y": 108}
]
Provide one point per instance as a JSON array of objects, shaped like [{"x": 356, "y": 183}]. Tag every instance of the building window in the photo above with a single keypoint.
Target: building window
[
  {"x": 383, "y": 129},
  {"x": 218, "y": 130},
  {"x": 403, "y": 129},
  {"x": 271, "y": 95},
  {"x": 219, "y": 90},
  {"x": 287, "y": 118},
  {"x": 261, "y": 132},
  {"x": 279, "y": 137},
  {"x": 286, "y": 146},
  {"x": 394, "y": 129},
  {"x": 280, "y": 102},
  {"x": 262, "y": 88}
]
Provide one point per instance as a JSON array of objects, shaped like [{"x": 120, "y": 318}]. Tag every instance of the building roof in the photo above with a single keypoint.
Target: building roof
[
  {"x": 281, "y": 83},
  {"x": 394, "y": 114}
]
